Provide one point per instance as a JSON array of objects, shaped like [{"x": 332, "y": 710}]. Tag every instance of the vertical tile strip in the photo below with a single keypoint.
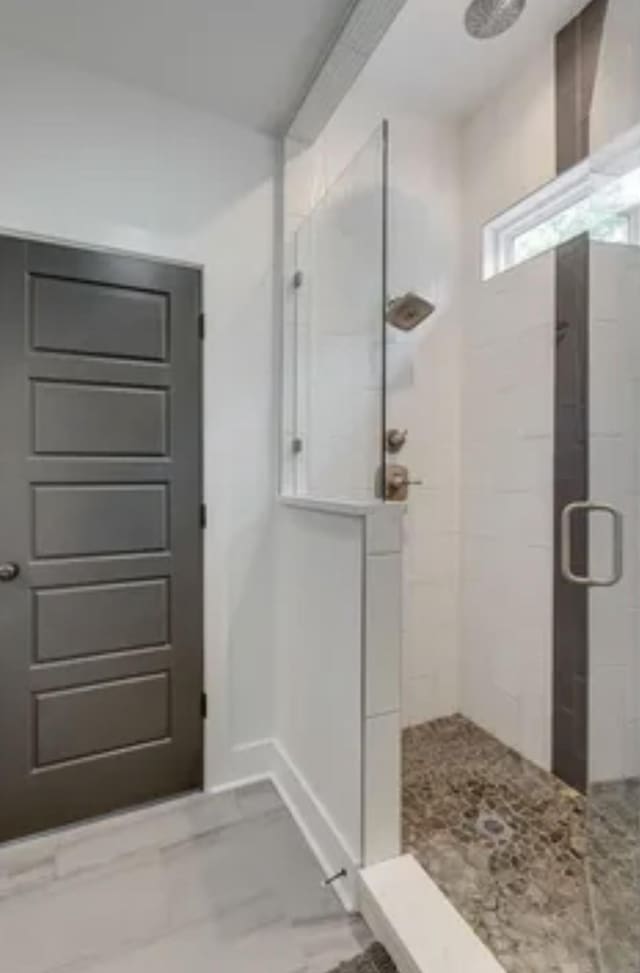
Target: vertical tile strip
[
  {"x": 571, "y": 482},
  {"x": 576, "y": 65},
  {"x": 576, "y": 60}
]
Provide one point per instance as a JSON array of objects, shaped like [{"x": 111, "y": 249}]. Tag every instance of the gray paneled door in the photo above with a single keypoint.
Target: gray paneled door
[{"x": 100, "y": 536}]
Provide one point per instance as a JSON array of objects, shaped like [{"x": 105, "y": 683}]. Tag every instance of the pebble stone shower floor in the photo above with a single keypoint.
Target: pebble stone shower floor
[
  {"x": 548, "y": 880},
  {"x": 375, "y": 960}
]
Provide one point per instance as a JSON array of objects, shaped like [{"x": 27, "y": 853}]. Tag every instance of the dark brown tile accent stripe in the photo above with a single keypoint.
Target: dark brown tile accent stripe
[
  {"x": 577, "y": 54},
  {"x": 571, "y": 482}
]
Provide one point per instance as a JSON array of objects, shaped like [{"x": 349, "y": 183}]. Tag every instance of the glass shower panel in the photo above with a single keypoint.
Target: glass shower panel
[
  {"x": 339, "y": 355},
  {"x": 613, "y": 834}
]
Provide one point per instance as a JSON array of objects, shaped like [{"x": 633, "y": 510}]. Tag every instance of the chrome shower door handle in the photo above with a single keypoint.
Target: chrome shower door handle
[{"x": 565, "y": 544}]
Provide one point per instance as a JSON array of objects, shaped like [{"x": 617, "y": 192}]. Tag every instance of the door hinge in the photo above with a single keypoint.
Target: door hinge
[
  {"x": 203, "y": 515},
  {"x": 298, "y": 280},
  {"x": 201, "y": 325},
  {"x": 204, "y": 706}
]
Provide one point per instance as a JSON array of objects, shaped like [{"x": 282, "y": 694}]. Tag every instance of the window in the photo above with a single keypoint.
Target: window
[
  {"x": 614, "y": 228},
  {"x": 600, "y": 197}
]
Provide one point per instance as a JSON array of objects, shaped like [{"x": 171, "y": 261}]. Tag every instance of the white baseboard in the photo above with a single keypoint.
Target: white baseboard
[
  {"x": 268, "y": 760},
  {"x": 242, "y": 765},
  {"x": 316, "y": 825}
]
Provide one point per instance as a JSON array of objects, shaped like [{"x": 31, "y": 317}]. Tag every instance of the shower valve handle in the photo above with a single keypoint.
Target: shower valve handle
[
  {"x": 398, "y": 483},
  {"x": 398, "y": 480},
  {"x": 396, "y": 439}
]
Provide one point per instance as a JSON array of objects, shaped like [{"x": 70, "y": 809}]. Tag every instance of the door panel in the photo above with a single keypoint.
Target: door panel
[
  {"x": 79, "y": 722},
  {"x": 100, "y": 520},
  {"x": 87, "y": 319},
  {"x": 92, "y": 619},
  {"x": 100, "y": 491},
  {"x": 94, "y": 420}
]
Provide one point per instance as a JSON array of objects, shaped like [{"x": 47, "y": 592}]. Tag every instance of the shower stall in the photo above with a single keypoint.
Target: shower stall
[{"x": 521, "y": 797}]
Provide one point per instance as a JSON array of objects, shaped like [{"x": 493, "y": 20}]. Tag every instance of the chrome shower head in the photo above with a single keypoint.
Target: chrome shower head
[{"x": 489, "y": 18}]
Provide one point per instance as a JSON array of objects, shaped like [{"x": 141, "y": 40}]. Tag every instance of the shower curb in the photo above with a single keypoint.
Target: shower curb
[{"x": 418, "y": 926}]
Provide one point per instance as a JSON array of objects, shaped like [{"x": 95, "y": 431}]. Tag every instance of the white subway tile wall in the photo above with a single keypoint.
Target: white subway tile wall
[{"x": 506, "y": 507}]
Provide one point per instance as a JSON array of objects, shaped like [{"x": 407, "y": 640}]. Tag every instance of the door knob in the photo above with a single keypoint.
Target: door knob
[{"x": 9, "y": 572}]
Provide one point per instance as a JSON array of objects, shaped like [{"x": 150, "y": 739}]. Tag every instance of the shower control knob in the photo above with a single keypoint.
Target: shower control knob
[
  {"x": 396, "y": 439},
  {"x": 9, "y": 571}
]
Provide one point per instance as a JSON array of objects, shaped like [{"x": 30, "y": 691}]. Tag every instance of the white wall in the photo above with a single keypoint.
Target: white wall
[
  {"x": 320, "y": 639},
  {"x": 616, "y": 98},
  {"x": 614, "y": 460},
  {"x": 336, "y": 752},
  {"x": 507, "y": 508},
  {"x": 508, "y": 151},
  {"x": 91, "y": 161},
  {"x": 423, "y": 380},
  {"x": 423, "y": 391}
]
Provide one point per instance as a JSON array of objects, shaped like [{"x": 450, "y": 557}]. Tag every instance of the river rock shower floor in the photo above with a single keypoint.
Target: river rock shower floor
[
  {"x": 375, "y": 960},
  {"x": 549, "y": 881}
]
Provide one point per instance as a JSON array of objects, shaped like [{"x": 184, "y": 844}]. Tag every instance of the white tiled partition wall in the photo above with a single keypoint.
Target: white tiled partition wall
[
  {"x": 507, "y": 507},
  {"x": 422, "y": 368},
  {"x": 319, "y": 673},
  {"x": 337, "y": 744},
  {"x": 614, "y": 613}
]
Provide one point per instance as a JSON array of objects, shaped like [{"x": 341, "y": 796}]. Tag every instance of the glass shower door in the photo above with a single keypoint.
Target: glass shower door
[{"x": 612, "y": 859}]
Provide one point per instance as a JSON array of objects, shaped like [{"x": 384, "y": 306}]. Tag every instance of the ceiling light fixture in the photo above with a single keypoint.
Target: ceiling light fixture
[{"x": 489, "y": 18}]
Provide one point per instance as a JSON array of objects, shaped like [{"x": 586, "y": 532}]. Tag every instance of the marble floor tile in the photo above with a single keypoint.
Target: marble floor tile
[
  {"x": 205, "y": 884},
  {"x": 199, "y": 948},
  {"x": 78, "y": 919}
]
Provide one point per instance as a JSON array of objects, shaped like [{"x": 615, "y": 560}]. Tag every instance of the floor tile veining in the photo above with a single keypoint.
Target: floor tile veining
[
  {"x": 202, "y": 884},
  {"x": 547, "y": 879}
]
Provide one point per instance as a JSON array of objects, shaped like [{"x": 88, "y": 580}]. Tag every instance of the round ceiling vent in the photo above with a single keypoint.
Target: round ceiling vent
[{"x": 489, "y": 18}]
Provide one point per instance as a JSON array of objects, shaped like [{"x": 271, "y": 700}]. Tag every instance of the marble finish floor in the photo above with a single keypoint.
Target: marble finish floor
[
  {"x": 548, "y": 880},
  {"x": 205, "y": 884}
]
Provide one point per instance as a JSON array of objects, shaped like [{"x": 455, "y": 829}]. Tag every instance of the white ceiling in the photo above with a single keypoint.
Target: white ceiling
[
  {"x": 251, "y": 60},
  {"x": 430, "y": 62}
]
